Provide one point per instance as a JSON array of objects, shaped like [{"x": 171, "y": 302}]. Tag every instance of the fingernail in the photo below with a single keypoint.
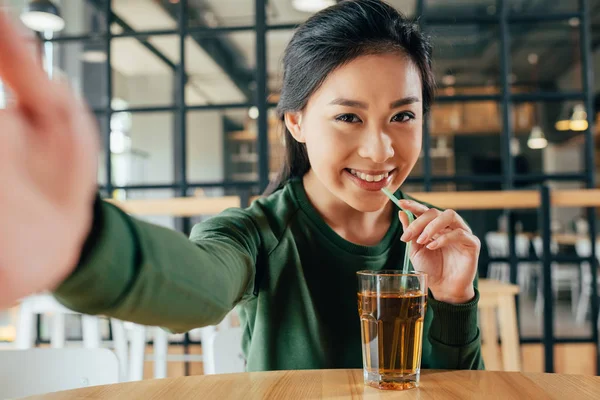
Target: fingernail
[
  {"x": 406, "y": 236},
  {"x": 422, "y": 239},
  {"x": 432, "y": 245}
]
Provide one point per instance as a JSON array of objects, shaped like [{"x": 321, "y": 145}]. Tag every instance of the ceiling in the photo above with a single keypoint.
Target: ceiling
[
  {"x": 131, "y": 58},
  {"x": 220, "y": 70},
  {"x": 212, "y": 82}
]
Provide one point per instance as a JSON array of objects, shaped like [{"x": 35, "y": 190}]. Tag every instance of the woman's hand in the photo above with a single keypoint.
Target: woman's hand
[
  {"x": 444, "y": 248},
  {"x": 48, "y": 161}
]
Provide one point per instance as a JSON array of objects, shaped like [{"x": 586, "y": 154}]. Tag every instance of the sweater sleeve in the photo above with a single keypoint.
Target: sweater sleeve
[
  {"x": 454, "y": 335},
  {"x": 151, "y": 275}
]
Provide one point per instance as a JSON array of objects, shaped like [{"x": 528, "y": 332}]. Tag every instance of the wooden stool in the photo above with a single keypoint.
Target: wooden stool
[{"x": 496, "y": 296}]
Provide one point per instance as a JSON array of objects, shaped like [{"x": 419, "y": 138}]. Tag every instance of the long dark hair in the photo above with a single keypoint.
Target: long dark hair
[{"x": 332, "y": 38}]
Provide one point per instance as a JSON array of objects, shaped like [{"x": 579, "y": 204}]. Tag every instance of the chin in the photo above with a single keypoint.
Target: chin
[{"x": 366, "y": 202}]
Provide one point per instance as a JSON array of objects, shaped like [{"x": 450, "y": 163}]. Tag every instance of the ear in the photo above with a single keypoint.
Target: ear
[{"x": 293, "y": 122}]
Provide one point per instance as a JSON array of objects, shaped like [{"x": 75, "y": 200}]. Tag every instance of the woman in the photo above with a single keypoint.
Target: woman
[{"x": 357, "y": 86}]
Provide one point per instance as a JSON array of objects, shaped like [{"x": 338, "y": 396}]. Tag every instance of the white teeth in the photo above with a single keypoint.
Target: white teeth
[{"x": 369, "y": 178}]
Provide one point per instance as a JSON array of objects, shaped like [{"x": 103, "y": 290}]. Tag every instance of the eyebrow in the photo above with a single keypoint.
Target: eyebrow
[
  {"x": 359, "y": 104},
  {"x": 349, "y": 103},
  {"x": 404, "y": 102}
]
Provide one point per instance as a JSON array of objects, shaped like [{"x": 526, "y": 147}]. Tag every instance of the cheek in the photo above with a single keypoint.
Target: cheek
[
  {"x": 327, "y": 149},
  {"x": 408, "y": 146}
]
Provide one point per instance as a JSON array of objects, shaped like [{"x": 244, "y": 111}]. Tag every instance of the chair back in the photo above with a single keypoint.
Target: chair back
[
  {"x": 498, "y": 244},
  {"x": 38, "y": 371},
  {"x": 223, "y": 352},
  {"x": 538, "y": 245}
]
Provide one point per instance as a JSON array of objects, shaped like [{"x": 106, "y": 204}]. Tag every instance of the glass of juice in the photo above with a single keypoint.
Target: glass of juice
[{"x": 392, "y": 309}]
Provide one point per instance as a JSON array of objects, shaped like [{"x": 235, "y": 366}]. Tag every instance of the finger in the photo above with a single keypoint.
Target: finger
[
  {"x": 440, "y": 233},
  {"x": 19, "y": 69},
  {"x": 414, "y": 207},
  {"x": 416, "y": 228},
  {"x": 456, "y": 237},
  {"x": 447, "y": 219},
  {"x": 403, "y": 220}
]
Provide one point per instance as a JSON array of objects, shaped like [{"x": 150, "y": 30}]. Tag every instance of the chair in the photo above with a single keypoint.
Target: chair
[
  {"x": 137, "y": 351},
  {"x": 38, "y": 371},
  {"x": 223, "y": 352},
  {"x": 497, "y": 309},
  {"x": 46, "y": 304},
  {"x": 498, "y": 246},
  {"x": 160, "y": 356},
  {"x": 583, "y": 248},
  {"x": 563, "y": 276}
]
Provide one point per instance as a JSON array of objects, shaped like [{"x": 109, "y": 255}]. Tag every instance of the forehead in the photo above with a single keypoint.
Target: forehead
[{"x": 387, "y": 76}]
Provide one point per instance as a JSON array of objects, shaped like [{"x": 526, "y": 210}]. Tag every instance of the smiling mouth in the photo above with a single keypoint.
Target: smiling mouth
[{"x": 375, "y": 177}]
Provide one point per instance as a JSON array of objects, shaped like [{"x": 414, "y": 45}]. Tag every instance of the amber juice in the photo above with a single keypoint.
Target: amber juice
[{"x": 392, "y": 336}]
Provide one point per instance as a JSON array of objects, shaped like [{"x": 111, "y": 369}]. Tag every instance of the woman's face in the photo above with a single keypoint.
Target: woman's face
[{"x": 363, "y": 128}]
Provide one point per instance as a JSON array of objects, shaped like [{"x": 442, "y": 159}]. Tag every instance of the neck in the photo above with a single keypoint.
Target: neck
[{"x": 363, "y": 228}]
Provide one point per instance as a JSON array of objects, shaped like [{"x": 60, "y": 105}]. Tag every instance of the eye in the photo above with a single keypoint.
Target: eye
[
  {"x": 348, "y": 118},
  {"x": 403, "y": 117}
]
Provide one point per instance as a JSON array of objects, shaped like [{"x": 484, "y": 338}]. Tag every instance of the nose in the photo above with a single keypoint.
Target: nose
[{"x": 377, "y": 146}]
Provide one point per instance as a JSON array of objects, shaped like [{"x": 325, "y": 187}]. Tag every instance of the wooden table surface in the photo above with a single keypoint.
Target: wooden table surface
[{"x": 342, "y": 384}]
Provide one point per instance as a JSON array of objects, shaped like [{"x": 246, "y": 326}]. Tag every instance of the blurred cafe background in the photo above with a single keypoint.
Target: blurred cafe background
[{"x": 184, "y": 94}]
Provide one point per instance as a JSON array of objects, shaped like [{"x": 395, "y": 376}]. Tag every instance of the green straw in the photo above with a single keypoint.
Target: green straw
[{"x": 411, "y": 218}]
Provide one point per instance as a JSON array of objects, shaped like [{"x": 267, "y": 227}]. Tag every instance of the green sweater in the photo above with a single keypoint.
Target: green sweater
[{"x": 291, "y": 276}]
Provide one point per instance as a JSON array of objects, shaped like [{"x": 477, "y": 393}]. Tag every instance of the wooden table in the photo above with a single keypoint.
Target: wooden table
[{"x": 346, "y": 384}]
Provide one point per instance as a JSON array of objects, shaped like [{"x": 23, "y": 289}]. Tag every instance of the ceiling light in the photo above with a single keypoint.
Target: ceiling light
[
  {"x": 42, "y": 16},
  {"x": 574, "y": 22},
  {"x": 449, "y": 79},
  {"x": 537, "y": 139},
  {"x": 577, "y": 120},
  {"x": 312, "y": 6},
  {"x": 533, "y": 58},
  {"x": 562, "y": 125},
  {"x": 94, "y": 56},
  {"x": 119, "y": 142},
  {"x": 253, "y": 112},
  {"x": 578, "y": 126}
]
